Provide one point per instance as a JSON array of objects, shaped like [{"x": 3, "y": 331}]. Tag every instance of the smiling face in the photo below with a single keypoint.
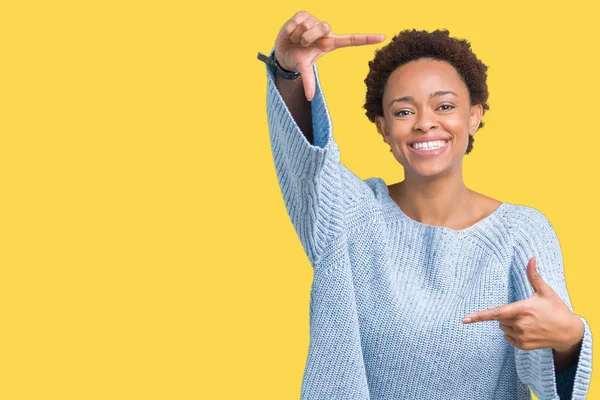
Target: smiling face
[{"x": 427, "y": 117}]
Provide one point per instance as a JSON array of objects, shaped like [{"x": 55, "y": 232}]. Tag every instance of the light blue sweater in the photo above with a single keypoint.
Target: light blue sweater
[{"x": 389, "y": 293}]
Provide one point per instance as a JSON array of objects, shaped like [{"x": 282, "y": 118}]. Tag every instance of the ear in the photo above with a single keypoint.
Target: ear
[
  {"x": 380, "y": 124},
  {"x": 476, "y": 112}
]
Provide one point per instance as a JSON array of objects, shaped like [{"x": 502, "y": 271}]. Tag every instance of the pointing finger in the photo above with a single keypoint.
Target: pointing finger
[
  {"x": 356, "y": 40},
  {"x": 505, "y": 312}
]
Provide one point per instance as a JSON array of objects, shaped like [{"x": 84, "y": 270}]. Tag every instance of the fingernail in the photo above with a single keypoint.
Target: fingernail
[{"x": 466, "y": 320}]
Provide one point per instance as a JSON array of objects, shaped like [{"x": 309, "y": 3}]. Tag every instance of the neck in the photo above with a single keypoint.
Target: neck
[{"x": 440, "y": 201}]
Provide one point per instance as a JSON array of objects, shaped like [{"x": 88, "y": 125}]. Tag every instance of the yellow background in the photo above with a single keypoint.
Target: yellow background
[{"x": 145, "y": 251}]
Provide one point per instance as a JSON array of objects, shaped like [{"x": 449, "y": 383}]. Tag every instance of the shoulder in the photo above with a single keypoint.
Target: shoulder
[
  {"x": 528, "y": 227},
  {"x": 524, "y": 217},
  {"x": 378, "y": 186},
  {"x": 359, "y": 193}
]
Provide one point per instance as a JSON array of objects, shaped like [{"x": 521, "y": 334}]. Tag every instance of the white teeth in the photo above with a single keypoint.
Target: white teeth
[{"x": 436, "y": 144}]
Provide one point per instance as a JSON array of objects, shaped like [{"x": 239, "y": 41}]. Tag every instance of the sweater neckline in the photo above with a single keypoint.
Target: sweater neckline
[{"x": 476, "y": 226}]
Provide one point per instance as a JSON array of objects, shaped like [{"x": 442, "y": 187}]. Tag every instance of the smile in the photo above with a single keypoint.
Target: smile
[{"x": 432, "y": 148}]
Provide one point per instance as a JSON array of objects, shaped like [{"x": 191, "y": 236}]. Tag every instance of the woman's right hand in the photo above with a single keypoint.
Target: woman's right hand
[{"x": 304, "y": 38}]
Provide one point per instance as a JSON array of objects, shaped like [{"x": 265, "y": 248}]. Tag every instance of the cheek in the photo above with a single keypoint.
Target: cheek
[
  {"x": 401, "y": 130},
  {"x": 457, "y": 126}
]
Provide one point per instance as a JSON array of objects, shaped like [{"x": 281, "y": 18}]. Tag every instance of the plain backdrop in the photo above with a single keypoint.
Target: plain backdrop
[{"x": 145, "y": 251}]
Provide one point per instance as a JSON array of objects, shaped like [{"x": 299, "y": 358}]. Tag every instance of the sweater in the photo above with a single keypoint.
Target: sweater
[{"x": 389, "y": 293}]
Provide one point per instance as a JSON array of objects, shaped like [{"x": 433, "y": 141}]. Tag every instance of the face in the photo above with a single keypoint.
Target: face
[{"x": 427, "y": 117}]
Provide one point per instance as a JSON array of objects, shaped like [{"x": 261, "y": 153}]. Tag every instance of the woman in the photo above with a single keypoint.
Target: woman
[{"x": 400, "y": 269}]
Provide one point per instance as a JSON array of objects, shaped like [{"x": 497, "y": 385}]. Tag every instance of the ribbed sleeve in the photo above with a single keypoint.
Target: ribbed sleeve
[
  {"x": 533, "y": 235},
  {"x": 309, "y": 175}
]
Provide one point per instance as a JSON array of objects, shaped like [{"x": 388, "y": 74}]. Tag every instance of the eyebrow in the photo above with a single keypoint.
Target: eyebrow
[{"x": 434, "y": 94}]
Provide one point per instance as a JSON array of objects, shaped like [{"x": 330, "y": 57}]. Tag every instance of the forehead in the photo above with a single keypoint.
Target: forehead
[{"x": 423, "y": 77}]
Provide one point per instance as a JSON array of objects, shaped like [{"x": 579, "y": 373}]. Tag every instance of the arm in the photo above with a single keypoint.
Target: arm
[
  {"x": 551, "y": 375},
  {"x": 313, "y": 182}
]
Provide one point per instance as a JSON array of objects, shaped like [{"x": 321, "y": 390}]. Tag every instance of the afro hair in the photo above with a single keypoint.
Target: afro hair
[{"x": 410, "y": 45}]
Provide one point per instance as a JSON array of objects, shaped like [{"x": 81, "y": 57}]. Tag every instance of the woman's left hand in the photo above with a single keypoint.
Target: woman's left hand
[{"x": 541, "y": 321}]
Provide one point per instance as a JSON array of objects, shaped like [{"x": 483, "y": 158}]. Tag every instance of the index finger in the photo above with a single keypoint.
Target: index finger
[
  {"x": 355, "y": 40},
  {"x": 502, "y": 313}
]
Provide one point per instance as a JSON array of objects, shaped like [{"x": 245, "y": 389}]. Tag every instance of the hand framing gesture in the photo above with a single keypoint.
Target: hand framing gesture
[{"x": 305, "y": 38}]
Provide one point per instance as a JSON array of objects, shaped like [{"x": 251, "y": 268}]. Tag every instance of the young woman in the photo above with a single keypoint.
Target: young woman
[{"x": 422, "y": 289}]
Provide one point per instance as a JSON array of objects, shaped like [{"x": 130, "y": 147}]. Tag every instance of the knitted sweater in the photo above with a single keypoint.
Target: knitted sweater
[{"x": 389, "y": 293}]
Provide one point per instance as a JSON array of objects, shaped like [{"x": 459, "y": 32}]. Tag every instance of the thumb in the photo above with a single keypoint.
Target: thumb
[
  {"x": 536, "y": 280},
  {"x": 308, "y": 80}
]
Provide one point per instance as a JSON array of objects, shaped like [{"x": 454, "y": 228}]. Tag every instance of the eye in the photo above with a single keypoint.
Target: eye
[
  {"x": 446, "y": 107},
  {"x": 401, "y": 113}
]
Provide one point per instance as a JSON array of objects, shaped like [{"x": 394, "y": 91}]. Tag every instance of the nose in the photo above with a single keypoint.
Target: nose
[{"x": 425, "y": 121}]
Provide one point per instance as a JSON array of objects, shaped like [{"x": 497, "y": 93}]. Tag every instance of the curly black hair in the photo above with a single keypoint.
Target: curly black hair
[{"x": 410, "y": 45}]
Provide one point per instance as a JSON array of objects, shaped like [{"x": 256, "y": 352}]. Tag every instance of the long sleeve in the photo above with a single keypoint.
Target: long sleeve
[
  {"x": 533, "y": 235},
  {"x": 317, "y": 190},
  {"x": 313, "y": 182}
]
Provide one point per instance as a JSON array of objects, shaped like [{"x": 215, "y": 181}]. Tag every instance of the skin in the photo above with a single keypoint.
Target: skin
[{"x": 433, "y": 191}]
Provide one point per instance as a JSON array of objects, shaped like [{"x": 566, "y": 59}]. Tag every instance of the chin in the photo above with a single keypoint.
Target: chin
[
  {"x": 427, "y": 168},
  {"x": 430, "y": 174},
  {"x": 430, "y": 170}
]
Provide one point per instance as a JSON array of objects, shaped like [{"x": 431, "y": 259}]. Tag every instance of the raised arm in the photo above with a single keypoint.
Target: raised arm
[{"x": 312, "y": 179}]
